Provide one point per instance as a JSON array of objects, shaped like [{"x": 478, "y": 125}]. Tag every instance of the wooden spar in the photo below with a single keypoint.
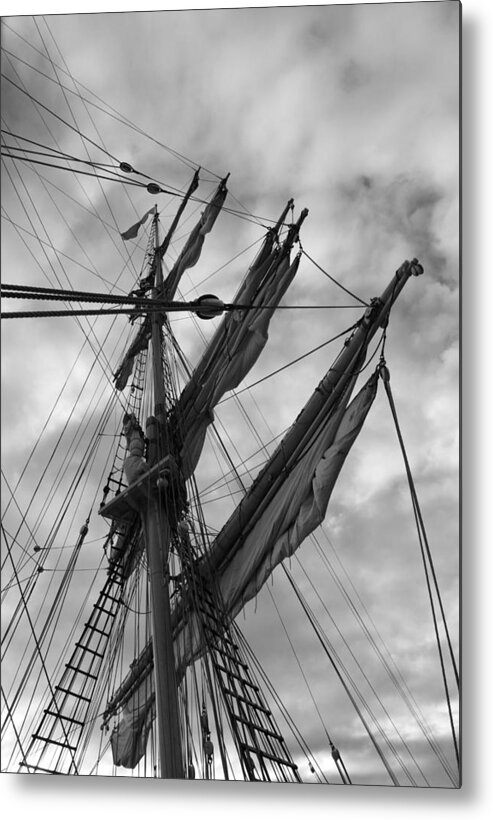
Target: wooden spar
[
  {"x": 157, "y": 533},
  {"x": 328, "y": 392}
]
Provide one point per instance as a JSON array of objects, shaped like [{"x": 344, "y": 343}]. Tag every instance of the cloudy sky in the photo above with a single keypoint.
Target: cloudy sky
[{"x": 353, "y": 112}]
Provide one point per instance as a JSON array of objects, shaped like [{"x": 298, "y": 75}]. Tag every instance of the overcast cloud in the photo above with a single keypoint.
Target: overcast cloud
[{"x": 353, "y": 111}]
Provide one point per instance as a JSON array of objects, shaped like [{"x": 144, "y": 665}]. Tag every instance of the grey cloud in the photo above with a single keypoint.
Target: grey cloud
[
  {"x": 401, "y": 207},
  {"x": 314, "y": 103}
]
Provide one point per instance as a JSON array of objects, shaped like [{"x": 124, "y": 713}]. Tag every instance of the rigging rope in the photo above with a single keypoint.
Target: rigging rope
[
  {"x": 58, "y": 117},
  {"x": 100, "y": 351},
  {"x": 305, "y": 678},
  {"x": 285, "y": 366},
  {"x": 361, "y": 301},
  {"x": 384, "y": 657},
  {"x": 300, "y": 306},
  {"x": 57, "y": 251},
  {"x": 371, "y": 687},
  {"x": 318, "y": 633},
  {"x": 120, "y": 118},
  {"x": 424, "y": 546},
  {"x": 44, "y": 181}
]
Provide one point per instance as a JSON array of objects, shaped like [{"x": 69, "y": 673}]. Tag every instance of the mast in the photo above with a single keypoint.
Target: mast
[{"x": 157, "y": 536}]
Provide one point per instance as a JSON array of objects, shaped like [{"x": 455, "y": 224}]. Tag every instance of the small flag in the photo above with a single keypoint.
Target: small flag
[{"x": 132, "y": 232}]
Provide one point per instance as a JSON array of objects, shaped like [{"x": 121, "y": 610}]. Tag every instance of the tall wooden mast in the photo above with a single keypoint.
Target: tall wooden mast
[
  {"x": 146, "y": 495},
  {"x": 157, "y": 534}
]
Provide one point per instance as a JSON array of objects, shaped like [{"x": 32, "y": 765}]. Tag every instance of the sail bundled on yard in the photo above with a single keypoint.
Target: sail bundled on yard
[
  {"x": 297, "y": 508},
  {"x": 237, "y": 343},
  {"x": 192, "y": 249}
]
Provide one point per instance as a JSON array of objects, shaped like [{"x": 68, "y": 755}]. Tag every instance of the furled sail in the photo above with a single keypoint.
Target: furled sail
[
  {"x": 188, "y": 257},
  {"x": 236, "y": 345},
  {"x": 129, "y": 737},
  {"x": 192, "y": 249},
  {"x": 298, "y": 506}
]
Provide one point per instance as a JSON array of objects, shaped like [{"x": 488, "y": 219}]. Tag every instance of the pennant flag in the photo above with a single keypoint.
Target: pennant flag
[{"x": 132, "y": 232}]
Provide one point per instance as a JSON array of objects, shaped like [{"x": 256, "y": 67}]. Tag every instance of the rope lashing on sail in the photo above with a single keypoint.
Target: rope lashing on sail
[{"x": 426, "y": 555}]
